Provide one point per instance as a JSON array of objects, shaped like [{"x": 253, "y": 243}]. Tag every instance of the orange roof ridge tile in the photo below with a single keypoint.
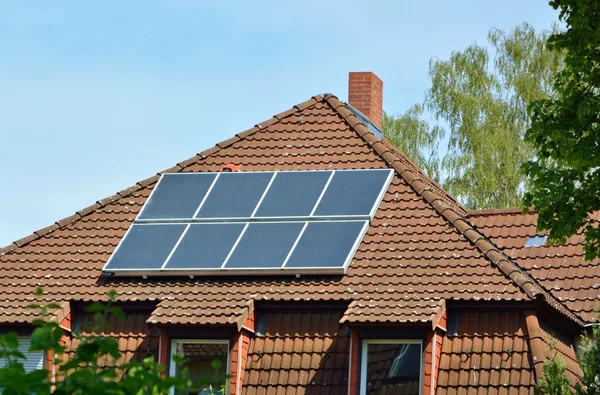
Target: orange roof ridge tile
[
  {"x": 415, "y": 168},
  {"x": 536, "y": 342},
  {"x": 496, "y": 211},
  {"x": 151, "y": 180},
  {"x": 511, "y": 269}
]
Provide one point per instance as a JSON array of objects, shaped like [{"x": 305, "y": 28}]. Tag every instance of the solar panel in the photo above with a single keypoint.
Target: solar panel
[
  {"x": 254, "y": 222},
  {"x": 353, "y": 192},
  {"x": 293, "y": 193},
  {"x": 235, "y": 195},
  {"x": 177, "y": 196},
  {"x": 145, "y": 246},
  {"x": 327, "y": 244},
  {"x": 264, "y": 245},
  {"x": 204, "y": 246}
]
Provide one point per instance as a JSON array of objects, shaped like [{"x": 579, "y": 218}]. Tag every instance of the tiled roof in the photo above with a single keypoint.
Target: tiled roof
[
  {"x": 298, "y": 353},
  {"x": 564, "y": 349},
  {"x": 562, "y": 269},
  {"x": 136, "y": 339},
  {"x": 419, "y": 249},
  {"x": 489, "y": 354}
]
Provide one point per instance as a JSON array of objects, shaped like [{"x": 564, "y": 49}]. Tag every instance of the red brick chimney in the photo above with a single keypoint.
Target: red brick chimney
[{"x": 365, "y": 93}]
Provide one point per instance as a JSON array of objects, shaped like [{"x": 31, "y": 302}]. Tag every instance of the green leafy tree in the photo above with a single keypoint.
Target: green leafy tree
[
  {"x": 480, "y": 95},
  {"x": 82, "y": 373},
  {"x": 415, "y": 138},
  {"x": 565, "y": 131},
  {"x": 554, "y": 380}
]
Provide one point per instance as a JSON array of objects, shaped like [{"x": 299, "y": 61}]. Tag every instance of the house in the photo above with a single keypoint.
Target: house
[{"x": 433, "y": 298}]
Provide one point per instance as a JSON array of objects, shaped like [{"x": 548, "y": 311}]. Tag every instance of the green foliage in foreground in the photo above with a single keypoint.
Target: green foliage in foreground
[
  {"x": 555, "y": 382},
  {"x": 565, "y": 132},
  {"x": 81, "y": 372}
]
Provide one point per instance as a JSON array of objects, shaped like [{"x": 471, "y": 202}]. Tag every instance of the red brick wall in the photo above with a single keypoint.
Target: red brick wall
[
  {"x": 365, "y": 93},
  {"x": 433, "y": 350},
  {"x": 239, "y": 357},
  {"x": 235, "y": 357}
]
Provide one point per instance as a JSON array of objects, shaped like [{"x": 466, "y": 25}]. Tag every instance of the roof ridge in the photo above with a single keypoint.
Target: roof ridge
[
  {"x": 496, "y": 211},
  {"x": 528, "y": 284},
  {"x": 151, "y": 180},
  {"x": 415, "y": 168}
]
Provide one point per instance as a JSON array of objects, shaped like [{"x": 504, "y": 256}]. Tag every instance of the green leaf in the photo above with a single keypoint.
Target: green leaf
[{"x": 11, "y": 340}]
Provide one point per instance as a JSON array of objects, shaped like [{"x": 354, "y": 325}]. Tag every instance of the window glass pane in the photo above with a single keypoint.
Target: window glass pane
[
  {"x": 33, "y": 359},
  {"x": 536, "y": 241},
  {"x": 200, "y": 358},
  {"x": 393, "y": 369}
]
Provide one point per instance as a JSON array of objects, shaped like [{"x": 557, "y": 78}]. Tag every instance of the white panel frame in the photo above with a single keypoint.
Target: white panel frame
[{"x": 365, "y": 353}]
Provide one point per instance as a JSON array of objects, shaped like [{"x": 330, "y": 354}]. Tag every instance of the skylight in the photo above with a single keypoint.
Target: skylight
[
  {"x": 536, "y": 241},
  {"x": 251, "y": 223}
]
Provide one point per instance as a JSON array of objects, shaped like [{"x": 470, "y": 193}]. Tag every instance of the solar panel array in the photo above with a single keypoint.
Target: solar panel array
[{"x": 251, "y": 223}]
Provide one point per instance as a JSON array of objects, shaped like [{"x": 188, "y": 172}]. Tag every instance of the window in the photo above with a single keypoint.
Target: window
[
  {"x": 536, "y": 241},
  {"x": 391, "y": 366},
  {"x": 200, "y": 355},
  {"x": 33, "y": 360}
]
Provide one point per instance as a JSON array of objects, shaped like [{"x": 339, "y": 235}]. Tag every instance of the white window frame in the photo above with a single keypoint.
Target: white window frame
[
  {"x": 173, "y": 352},
  {"x": 365, "y": 354}
]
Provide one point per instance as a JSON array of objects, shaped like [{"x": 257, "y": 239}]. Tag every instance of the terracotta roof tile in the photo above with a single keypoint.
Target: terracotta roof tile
[
  {"x": 136, "y": 339},
  {"x": 418, "y": 241},
  {"x": 299, "y": 352},
  {"x": 562, "y": 270},
  {"x": 490, "y": 352}
]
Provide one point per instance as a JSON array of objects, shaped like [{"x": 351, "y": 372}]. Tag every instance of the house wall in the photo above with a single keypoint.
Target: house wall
[{"x": 433, "y": 351}]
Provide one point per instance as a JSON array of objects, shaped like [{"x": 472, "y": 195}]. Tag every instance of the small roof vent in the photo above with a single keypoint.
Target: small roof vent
[{"x": 228, "y": 168}]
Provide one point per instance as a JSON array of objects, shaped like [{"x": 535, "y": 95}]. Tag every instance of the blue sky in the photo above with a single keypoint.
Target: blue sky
[{"x": 95, "y": 96}]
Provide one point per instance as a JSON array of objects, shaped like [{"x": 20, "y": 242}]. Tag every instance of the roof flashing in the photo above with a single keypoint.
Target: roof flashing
[{"x": 377, "y": 132}]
